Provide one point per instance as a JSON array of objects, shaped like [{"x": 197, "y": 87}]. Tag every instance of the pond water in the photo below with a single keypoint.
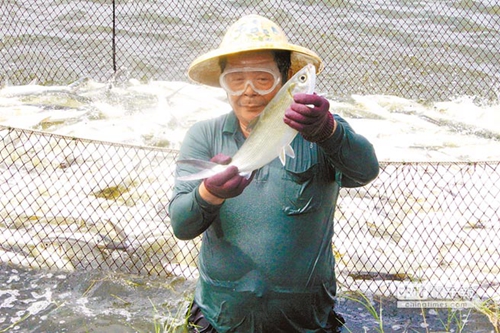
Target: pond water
[
  {"x": 41, "y": 301},
  {"x": 158, "y": 113},
  {"x": 51, "y": 301},
  {"x": 44, "y": 301}
]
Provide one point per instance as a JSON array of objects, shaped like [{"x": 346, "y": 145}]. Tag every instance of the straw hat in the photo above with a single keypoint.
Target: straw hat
[{"x": 250, "y": 33}]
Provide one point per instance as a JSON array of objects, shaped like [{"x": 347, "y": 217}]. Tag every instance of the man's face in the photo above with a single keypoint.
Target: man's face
[{"x": 250, "y": 103}]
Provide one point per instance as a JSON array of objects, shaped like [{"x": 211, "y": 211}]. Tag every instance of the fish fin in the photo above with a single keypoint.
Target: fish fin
[
  {"x": 200, "y": 164},
  {"x": 247, "y": 175},
  {"x": 282, "y": 157},
  {"x": 208, "y": 169},
  {"x": 289, "y": 151},
  {"x": 286, "y": 151},
  {"x": 199, "y": 175}
]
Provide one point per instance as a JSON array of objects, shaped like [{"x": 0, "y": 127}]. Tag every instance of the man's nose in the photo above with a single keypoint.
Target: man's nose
[{"x": 249, "y": 91}]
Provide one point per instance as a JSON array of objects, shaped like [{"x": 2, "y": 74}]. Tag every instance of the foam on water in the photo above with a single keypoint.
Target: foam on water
[
  {"x": 41, "y": 301},
  {"x": 158, "y": 113}
]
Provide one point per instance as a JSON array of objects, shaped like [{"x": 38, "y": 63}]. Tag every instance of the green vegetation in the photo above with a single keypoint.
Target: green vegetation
[
  {"x": 448, "y": 319},
  {"x": 491, "y": 309}
]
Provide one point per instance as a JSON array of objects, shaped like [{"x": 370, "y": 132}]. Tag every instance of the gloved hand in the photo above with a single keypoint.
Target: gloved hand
[
  {"x": 227, "y": 184},
  {"x": 315, "y": 123}
]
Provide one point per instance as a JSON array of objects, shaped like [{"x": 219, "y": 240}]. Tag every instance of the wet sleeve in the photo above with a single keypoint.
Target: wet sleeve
[
  {"x": 190, "y": 215},
  {"x": 351, "y": 154}
]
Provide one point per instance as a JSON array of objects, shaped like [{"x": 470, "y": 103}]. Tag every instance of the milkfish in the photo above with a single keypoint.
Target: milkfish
[
  {"x": 269, "y": 138},
  {"x": 34, "y": 89}
]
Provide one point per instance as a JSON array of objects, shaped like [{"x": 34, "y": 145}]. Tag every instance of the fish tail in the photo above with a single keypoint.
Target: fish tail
[{"x": 208, "y": 169}]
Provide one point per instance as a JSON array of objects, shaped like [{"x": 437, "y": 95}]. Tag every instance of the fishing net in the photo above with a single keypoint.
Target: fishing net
[
  {"x": 68, "y": 203},
  {"x": 423, "y": 50}
]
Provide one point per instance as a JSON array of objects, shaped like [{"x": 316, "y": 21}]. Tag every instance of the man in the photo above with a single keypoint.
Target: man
[{"x": 266, "y": 261}]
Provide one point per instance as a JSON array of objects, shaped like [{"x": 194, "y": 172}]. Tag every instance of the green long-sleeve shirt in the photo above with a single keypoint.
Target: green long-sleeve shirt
[{"x": 266, "y": 261}]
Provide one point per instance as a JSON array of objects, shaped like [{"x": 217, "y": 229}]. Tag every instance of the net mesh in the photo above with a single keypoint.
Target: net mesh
[
  {"x": 425, "y": 50},
  {"x": 70, "y": 203}
]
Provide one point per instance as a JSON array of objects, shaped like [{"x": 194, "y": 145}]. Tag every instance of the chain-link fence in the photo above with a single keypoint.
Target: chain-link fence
[
  {"x": 77, "y": 204},
  {"x": 71, "y": 204},
  {"x": 416, "y": 49}
]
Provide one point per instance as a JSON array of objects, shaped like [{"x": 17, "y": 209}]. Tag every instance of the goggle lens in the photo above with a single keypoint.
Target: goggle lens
[{"x": 262, "y": 81}]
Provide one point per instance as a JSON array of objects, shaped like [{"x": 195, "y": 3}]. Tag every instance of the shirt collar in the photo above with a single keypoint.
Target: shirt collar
[{"x": 231, "y": 125}]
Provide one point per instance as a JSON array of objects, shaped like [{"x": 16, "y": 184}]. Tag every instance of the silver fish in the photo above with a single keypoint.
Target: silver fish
[
  {"x": 34, "y": 89},
  {"x": 269, "y": 138}
]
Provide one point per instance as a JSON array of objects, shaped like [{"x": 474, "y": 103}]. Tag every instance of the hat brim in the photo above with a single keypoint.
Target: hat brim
[{"x": 206, "y": 69}]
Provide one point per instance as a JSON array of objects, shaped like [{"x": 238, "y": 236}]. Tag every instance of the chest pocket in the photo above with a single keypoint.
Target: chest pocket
[{"x": 301, "y": 194}]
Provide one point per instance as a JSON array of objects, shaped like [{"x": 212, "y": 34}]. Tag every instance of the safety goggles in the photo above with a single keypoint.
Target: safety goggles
[{"x": 236, "y": 80}]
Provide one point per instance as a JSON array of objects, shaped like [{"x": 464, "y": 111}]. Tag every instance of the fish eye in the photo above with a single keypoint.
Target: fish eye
[{"x": 303, "y": 78}]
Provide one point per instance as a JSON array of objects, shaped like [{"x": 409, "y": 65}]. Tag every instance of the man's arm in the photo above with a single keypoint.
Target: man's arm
[
  {"x": 348, "y": 152},
  {"x": 190, "y": 214},
  {"x": 352, "y": 154},
  {"x": 195, "y": 204}
]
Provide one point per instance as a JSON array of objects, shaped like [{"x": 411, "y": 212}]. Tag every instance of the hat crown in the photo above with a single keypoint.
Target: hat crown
[
  {"x": 251, "y": 30},
  {"x": 250, "y": 33}
]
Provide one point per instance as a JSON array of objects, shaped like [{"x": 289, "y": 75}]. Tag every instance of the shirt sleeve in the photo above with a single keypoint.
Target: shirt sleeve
[
  {"x": 351, "y": 154},
  {"x": 190, "y": 215}
]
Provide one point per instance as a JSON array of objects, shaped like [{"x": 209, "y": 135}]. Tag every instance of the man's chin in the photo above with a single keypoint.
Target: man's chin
[{"x": 254, "y": 108}]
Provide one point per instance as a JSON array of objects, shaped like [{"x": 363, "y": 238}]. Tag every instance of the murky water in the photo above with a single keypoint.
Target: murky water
[
  {"x": 79, "y": 302},
  {"x": 39, "y": 301},
  {"x": 43, "y": 301}
]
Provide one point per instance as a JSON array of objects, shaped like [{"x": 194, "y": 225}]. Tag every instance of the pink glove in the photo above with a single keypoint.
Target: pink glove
[
  {"x": 315, "y": 123},
  {"x": 227, "y": 184}
]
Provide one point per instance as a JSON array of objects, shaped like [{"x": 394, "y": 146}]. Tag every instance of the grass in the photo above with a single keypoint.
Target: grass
[
  {"x": 362, "y": 299},
  {"x": 454, "y": 320},
  {"x": 171, "y": 322},
  {"x": 172, "y": 318},
  {"x": 11, "y": 327},
  {"x": 451, "y": 320},
  {"x": 491, "y": 309}
]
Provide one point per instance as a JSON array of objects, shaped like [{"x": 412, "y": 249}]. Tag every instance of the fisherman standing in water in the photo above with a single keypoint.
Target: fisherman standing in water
[{"x": 266, "y": 262}]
